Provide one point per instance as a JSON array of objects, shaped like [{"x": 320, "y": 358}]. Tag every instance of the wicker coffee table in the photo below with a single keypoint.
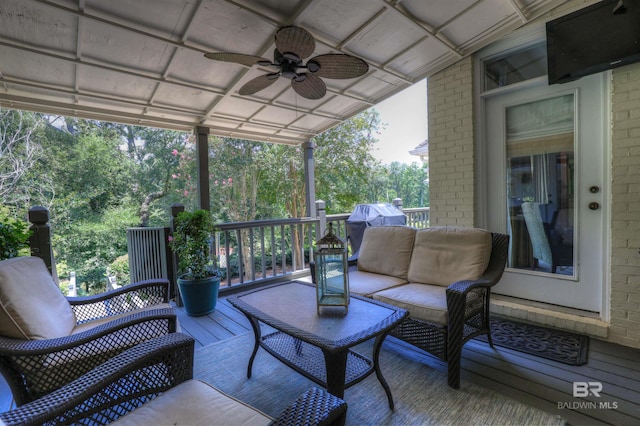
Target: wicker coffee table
[{"x": 319, "y": 346}]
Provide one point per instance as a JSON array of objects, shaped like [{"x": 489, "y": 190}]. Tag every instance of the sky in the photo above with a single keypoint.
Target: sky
[{"x": 405, "y": 115}]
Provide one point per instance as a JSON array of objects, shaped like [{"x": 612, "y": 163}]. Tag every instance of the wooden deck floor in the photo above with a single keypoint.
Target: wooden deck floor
[{"x": 545, "y": 384}]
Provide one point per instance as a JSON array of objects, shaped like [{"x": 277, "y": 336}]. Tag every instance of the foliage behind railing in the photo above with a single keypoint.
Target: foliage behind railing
[{"x": 265, "y": 249}]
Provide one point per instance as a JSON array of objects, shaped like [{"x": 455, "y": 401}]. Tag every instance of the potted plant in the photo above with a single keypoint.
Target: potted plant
[{"x": 198, "y": 278}]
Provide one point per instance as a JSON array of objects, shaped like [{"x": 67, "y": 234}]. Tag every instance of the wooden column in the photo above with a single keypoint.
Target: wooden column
[
  {"x": 202, "y": 158},
  {"x": 309, "y": 178}
]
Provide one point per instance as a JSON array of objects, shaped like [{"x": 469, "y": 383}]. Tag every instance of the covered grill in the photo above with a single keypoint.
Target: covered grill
[{"x": 365, "y": 215}]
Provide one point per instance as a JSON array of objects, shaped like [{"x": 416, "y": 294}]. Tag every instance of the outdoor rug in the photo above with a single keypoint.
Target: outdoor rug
[
  {"x": 557, "y": 345},
  {"x": 420, "y": 393}
]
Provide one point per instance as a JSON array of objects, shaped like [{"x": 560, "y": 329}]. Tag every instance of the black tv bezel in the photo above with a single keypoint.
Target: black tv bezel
[{"x": 611, "y": 63}]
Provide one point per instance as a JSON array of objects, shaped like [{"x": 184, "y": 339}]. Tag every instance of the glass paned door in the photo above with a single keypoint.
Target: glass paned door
[
  {"x": 545, "y": 149},
  {"x": 540, "y": 182}
]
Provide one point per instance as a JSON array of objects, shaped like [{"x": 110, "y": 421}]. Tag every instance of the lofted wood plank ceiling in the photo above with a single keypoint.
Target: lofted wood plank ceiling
[{"x": 141, "y": 61}]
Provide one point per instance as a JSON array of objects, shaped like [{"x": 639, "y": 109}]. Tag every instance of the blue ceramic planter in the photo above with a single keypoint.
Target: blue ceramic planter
[{"x": 199, "y": 296}]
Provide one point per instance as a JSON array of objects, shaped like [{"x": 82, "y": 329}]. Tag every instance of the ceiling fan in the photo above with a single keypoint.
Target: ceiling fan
[{"x": 293, "y": 44}]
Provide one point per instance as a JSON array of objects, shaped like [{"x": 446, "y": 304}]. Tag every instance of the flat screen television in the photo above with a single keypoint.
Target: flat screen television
[{"x": 599, "y": 37}]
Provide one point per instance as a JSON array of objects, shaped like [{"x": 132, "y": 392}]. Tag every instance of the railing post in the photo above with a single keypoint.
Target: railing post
[
  {"x": 175, "y": 209},
  {"x": 321, "y": 213},
  {"x": 398, "y": 203},
  {"x": 40, "y": 239},
  {"x": 309, "y": 177}
]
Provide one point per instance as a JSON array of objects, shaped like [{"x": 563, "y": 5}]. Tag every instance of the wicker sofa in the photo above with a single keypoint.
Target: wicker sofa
[
  {"x": 441, "y": 275},
  {"x": 152, "y": 384}
]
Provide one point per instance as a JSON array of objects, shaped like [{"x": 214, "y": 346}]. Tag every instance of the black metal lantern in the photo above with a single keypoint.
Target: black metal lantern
[{"x": 332, "y": 278}]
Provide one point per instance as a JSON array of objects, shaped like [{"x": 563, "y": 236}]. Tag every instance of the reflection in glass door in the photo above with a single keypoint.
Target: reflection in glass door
[{"x": 540, "y": 185}]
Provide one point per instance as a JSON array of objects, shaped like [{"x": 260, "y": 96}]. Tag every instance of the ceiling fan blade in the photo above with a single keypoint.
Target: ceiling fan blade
[
  {"x": 312, "y": 87},
  {"x": 237, "y": 58},
  {"x": 338, "y": 65},
  {"x": 295, "y": 40},
  {"x": 257, "y": 84}
]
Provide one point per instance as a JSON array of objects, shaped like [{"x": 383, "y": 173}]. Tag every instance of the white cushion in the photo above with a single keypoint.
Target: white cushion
[
  {"x": 367, "y": 283},
  {"x": 444, "y": 255},
  {"x": 386, "y": 250},
  {"x": 423, "y": 301},
  {"x": 194, "y": 403},
  {"x": 31, "y": 304}
]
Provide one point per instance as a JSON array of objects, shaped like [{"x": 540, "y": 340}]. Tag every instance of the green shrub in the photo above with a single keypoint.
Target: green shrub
[
  {"x": 120, "y": 268},
  {"x": 14, "y": 235}
]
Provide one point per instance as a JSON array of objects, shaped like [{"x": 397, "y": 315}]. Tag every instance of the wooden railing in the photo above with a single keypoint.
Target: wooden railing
[{"x": 261, "y": 250}]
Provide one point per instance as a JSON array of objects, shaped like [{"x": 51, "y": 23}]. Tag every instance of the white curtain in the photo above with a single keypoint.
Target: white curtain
[
  {"x": 541, "y": 178},
  {"x": 540, "y": 119}
]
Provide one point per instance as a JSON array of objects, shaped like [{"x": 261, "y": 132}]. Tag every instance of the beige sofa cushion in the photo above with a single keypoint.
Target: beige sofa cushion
[
  {"x": 423, "y": 301},
  {"x": 444, "y": 255},
  {"x": 31, "y": 304},
  {"x": 367, "y": 283},
  {"x": 386, "y": 250},
  {"x": 194, "y": 403}
]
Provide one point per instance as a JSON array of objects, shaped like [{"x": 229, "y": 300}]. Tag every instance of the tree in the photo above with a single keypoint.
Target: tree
[
  {"x": 20, "y": 152},
  {"x": 152, "y": 153},
  {"x": 408, "y": 182},
  {"x": 99, "y": 178},
  {"x": 344, "y": 163}
]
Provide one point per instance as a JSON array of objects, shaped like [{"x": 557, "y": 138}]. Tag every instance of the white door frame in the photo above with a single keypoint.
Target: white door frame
[{"x": 522, "y": 39}]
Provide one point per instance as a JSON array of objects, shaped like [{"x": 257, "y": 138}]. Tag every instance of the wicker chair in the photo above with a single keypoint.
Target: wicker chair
[
  {"x": 154, "y": 378},
  {"x": 48, "y": 340}
]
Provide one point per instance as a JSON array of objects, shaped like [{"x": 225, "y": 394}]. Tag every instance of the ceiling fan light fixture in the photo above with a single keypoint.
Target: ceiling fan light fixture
[
  {"x": 313, "y": 66},
  {"x": 286, "y": 73}
]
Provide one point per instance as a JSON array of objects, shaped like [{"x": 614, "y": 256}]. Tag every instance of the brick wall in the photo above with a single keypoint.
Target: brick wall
[
  {"x": 451, "y": 146},
  {"x": 625, "y": 206}
]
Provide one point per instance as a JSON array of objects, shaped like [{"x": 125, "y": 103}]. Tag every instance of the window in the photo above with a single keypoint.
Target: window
[{"x": 515, "y": 67}]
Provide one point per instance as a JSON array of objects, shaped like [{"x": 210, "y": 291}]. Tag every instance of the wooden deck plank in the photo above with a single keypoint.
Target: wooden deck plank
[
  {"x": 231, "y": 318},
  {"x": 203, "y": 329},
  {"x": 553, "y": 384},
  {"x": 616, "y": 352},
  {"x": 618, "y": 385},
  {"x": 195, "y": 330}
]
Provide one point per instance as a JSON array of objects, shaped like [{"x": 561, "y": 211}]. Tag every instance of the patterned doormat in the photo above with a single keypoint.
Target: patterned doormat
[{"x": 557, "y": 345}]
